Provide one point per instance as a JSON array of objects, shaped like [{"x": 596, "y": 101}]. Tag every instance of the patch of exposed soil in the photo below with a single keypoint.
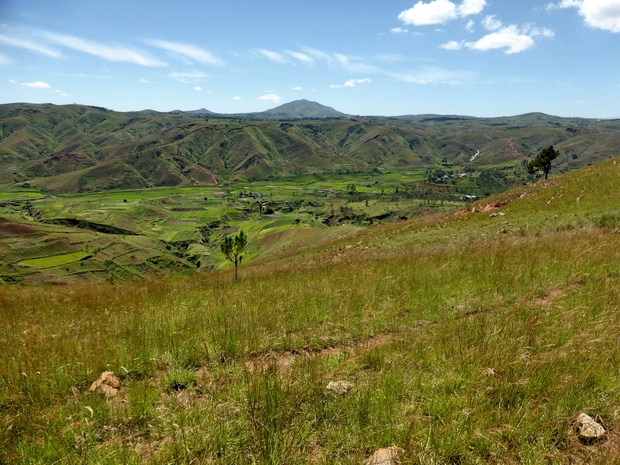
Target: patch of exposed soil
[
  {"x": 15, "y": 230},
  {"x": 283, "y": 360}
]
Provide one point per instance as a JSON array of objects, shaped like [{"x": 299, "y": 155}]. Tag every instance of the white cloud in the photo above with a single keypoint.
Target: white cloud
[
  {"x": 452, "y": 45},
  {"x": 469, "y": 27},
  {"x": 35, "y": 85},
  {"x": 237, "y": 98},
  {"x": 144, "y": 81},
  {"x": 116, "y": 53},
  {"x": 564, "y": 4},
  {"x": 12, "y": 41},
  {"x": 434, "y": 75},
  {"x": 296, "y": 88},
  {"x": 191, "y": 76},
  {"x": 440, "y": 11},
  {"x": 399, "y": 30},
  {"x": 435, "y": 12},
  {"x": 510, "y": 38},
  {"x": 471, "y": 7},
  {"x": 276, "y": 57},
  {"x": 301, "y": 56},
  {"x": 270, "y": 97},
  {"x": 598, "y": 14},
  {"x": 545, "y": 32},
  {"x": 198, "y": 89},
  {"x": 491, "y": 24},
  {"x": 187, "y": 50},
  {"x": 350, "y": 83},
  {"x": 318, "y": 55},
  {"x": 311, "y": 56},
  {"x": 601, "y": 14}
]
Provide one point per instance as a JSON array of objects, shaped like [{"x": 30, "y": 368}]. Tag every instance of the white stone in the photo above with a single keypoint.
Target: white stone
[
  {"x": 587, "y": 428},
  {"x": 340, "y": 387},
  {"x": 387, "y": 456}
]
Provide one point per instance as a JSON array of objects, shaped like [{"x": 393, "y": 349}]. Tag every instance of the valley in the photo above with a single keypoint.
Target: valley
[
  {"x": 131, "y": 194},
  {"x": 129, "y": 234}
]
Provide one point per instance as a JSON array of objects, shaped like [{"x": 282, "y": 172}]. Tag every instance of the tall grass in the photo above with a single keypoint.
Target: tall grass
[{"x": 463, "y": 347}]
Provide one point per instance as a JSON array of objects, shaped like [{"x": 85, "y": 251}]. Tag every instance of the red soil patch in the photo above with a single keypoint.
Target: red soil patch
[
  {"x": 15, "y": 230},
  {"x": 271, "y": 238}
]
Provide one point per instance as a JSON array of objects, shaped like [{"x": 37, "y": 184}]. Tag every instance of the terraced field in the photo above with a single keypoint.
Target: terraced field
[{"x": 124, "y": 234}]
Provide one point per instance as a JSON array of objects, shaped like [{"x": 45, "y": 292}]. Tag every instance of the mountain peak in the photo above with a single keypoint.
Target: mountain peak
[{"x": 303, "y": 109}]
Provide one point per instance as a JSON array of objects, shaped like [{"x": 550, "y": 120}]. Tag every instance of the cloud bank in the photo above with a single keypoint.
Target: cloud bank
[
  {"x": 186, "y": 50},
  {"x": 512, "y": 38},
  {"x": 350, "y": 83},
  {"x": 440, "y": 12},
  {"x": 598, "y": 14},
  {"x": 271, "y": 98}
]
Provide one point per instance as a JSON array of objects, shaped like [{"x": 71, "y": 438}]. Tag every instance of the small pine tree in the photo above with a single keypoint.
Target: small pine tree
[
  {"x": 543, "y": 161},
  {"x": 233, "y": 247}
]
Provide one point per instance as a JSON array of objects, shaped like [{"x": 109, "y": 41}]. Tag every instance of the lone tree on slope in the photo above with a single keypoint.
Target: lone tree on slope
[
  {"x": 233, "y": 247},
  {"x": 543, "y": 160}
]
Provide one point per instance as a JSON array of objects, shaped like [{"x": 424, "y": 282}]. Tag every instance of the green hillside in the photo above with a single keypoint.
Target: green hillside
[
  {"x": 476, "y": 336},
  {"x": 77, "y": 148}
]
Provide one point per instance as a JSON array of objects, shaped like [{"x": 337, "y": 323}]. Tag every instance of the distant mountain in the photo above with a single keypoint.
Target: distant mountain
[
  {"x": 202, "y": 111},
  {"x": 80, "y": 148},
  {"x": 300, "y": 109}
]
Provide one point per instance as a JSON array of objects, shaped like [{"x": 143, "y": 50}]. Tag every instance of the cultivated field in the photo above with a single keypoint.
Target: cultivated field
[{"x": 116, "y": 235}]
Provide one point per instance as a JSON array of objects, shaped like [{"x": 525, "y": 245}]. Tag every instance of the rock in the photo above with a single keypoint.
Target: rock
[
  {"x": 387, "y": 456},
  {"x": 107, "y": 384},
  {"x": 588, "y": 429},
  {"x": 340, "y": 387}
]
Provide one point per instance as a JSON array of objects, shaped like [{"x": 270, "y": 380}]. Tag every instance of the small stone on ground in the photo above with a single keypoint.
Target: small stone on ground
[
  {"x": 387, "y": 456},
  {"x": 107, "y": 384}
]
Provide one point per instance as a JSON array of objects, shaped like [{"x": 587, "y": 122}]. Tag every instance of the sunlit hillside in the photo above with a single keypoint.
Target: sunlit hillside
[{"x": 468, "y": 337}]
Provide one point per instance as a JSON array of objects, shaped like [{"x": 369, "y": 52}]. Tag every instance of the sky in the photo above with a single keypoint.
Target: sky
[{"x": 482, "y": 58}]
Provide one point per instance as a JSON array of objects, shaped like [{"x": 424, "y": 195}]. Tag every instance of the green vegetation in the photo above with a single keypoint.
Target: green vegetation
[
  {"x": 80, "y": 149},
  {"x": 233, "y": 248},
  {"x": 55, "y": 260},
  {"x": 543, "y": 160},
  {"x": 470, "y": 337},
  {"x": 131, "y": 234}
]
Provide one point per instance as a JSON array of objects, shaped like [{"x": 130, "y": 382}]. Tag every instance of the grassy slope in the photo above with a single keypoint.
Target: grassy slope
[
  {"x": 76, "y": 148},
  {"x": 470, "y": 338}
]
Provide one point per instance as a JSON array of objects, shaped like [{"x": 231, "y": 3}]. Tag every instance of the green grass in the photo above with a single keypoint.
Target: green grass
[
  {"x": 469, "y": 339},
  {"x": 55, "y": 260},
  {"x": 201, "y": 217}
]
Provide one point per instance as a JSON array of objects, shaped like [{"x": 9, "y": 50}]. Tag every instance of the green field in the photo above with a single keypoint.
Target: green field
[
  {"x": 474, "y": 336},
  {"x": 54, "y": 260},
  {"x": 186, "y": 225}
]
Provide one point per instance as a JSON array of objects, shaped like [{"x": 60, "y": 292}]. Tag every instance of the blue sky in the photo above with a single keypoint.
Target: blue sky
[{"x": 465, "y": 57}]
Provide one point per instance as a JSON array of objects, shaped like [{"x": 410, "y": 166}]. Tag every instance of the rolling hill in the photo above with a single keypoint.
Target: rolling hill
[
  {"x": 475, "y": 337},
  {"x": 77, "y": 148}
]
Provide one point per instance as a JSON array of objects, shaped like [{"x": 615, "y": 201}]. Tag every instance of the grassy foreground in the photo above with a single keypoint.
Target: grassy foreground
[{"x": 468, "y": 339}]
